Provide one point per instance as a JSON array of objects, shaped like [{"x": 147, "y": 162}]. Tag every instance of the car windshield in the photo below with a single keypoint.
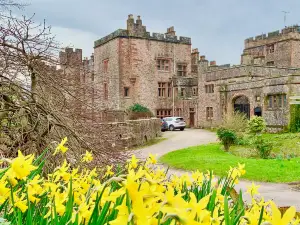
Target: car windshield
[{"x": 180, "y": 119}]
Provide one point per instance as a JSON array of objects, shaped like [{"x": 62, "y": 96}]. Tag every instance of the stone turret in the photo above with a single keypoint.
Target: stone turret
[
  {"x": 70, "y": 57},
  {"x": 195, "y": 56}
]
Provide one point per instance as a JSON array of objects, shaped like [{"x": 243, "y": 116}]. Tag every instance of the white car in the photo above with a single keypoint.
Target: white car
[{"x": 175, "y": 123}]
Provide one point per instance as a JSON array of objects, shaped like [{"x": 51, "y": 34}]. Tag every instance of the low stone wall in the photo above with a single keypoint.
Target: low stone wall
[{"x": 124, "y": 135}]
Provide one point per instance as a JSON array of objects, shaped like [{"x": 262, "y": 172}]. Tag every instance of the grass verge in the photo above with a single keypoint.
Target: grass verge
[
  {"x": 284, "y": 144},
  {"x": 211, "y": 157}
]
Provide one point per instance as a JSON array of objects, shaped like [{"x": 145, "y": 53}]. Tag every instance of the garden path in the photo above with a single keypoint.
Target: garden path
[{"x": 281, "y": 194}]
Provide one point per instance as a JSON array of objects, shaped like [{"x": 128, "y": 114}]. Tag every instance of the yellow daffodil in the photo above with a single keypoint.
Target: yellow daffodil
[
  {"x": 253, "y": 189},
  {"x": 20, "y": 203},
  {"x": 61, "y": 146},
  {"x": 22, "y": 166},
  {"x": 276, "y": 218},
  {"x": 133, "y": 163},
  {"x": 152, "y": 159},
  {"x": 87, "y": 157},
  {"x": 108, "y": 172},
  {"x": 143, "y": 194},
  {"x": 123, "y": 215}
]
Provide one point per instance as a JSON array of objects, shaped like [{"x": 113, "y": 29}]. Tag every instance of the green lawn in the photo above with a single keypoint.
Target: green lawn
[
  {"x": 283, "y": 144},
  {"x": 211, "y": 157}
]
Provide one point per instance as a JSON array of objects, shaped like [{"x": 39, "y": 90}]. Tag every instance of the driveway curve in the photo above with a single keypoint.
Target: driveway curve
[
  {"x": 282, "y": 194},
  {"x": 177, "y": 140}
]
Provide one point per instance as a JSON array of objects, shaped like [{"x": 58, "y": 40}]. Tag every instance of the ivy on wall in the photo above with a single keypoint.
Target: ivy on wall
[{"x": 294, "y": 125}]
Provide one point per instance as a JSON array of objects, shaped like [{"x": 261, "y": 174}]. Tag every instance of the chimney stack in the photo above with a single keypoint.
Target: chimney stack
[
  {"x": 171, "y": 31},
  {"x": 212, "y": 63}
]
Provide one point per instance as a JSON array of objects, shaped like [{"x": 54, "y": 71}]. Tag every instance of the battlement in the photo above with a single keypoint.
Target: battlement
[
  {"x": 70, "y": 56},
  {"x": 137, "y": 30},
  {"x": 285, "y": 31}
]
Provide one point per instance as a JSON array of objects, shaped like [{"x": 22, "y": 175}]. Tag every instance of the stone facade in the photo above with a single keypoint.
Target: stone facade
[
  {"x": 275, "y": 48},
  {"x": 256, "y": 87},
  {"x": 132, "y": 65},
  {"x": 163, "y": 73}
]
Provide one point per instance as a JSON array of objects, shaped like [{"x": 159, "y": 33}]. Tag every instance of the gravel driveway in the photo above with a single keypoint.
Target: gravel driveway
[{"x": 282, "y": 194}]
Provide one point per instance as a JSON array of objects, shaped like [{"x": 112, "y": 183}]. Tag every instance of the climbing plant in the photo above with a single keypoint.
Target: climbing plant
[{"x": 294, "y": 118}]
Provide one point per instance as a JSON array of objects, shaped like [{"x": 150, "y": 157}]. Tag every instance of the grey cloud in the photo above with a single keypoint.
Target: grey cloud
[{"x": 217, "y": 27}]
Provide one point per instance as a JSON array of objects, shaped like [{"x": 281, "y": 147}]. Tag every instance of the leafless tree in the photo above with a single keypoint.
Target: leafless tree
[{"x": 37, "y": 101}]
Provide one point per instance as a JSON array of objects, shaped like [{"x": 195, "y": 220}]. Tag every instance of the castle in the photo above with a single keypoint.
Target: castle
[{"x": 164, "y": 73}]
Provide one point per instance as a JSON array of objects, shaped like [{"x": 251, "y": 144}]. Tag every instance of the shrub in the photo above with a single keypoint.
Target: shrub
[
  {"x": 256, "y": 125},
  {"x": 138, "y": 111},
  {"x": 243, "y": 139},
  {"x": 139, "y": 193},
  {"x": 236, "y": 121},
  {"x": 263, "y": 147},
  {"x": 138, "y": 108},
  {"x": 227, "y": 137}
]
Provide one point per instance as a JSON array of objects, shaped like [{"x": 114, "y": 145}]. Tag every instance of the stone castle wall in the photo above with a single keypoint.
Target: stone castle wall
[
  {"x": 254, "y": 82},
  {"x": 127, "y": 134},
  {"x": 285, "y": 45},
  {"x": 110, "y": 78},
  {"x": 132, "y": 56}
]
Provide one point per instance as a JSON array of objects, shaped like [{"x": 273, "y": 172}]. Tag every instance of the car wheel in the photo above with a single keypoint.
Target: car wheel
[
  {"x": 181, "y": 129},
  {"x": 163, "y": 130},
  {"x": 171, "y": 128}
]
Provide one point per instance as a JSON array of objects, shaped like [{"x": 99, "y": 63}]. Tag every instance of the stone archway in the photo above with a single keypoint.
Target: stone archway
[{"x": 242, "y": 104}]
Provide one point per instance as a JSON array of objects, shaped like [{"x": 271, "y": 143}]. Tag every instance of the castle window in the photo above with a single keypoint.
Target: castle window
[
  {"x": 277, "y": 101},
  {"x": 126, "y": 91},
  {"x": 182, "y": 92},
  {"x": 163, "y": 64},
  {"x": 195, "y": 91},
  {"x": 181, "y": 69},
  {"x": 270, "y": 48},
  {"x": 209, "y": 113},
  {"x": 163, "y": 113},
  {"x": 169, "y": 89},
  {"x": 209, "y": 88},
  {"x": 105, "y": 65},
  {"x": 105, "y": 91},
  {"x": 270, "y": 63},
  {"x": 161, "y": 89}
]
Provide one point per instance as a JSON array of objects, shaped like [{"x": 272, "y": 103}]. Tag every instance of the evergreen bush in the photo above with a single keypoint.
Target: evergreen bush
[{"x": 227, "y": 137}]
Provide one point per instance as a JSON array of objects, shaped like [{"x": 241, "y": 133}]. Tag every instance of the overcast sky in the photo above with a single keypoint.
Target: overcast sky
[{"x": 217, "y": 27}]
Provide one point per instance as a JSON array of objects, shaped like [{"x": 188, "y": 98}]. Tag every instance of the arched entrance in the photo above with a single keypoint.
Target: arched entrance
[
  {"x": 242, "y": 104},
  {"x": 257, "y": 111}
]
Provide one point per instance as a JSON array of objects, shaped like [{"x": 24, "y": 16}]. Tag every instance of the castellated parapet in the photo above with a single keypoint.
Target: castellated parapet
[
  {"x": 291, "y": 32},
  {"x": 70, "y": 56},
  {"x": 136, "y": 29}
]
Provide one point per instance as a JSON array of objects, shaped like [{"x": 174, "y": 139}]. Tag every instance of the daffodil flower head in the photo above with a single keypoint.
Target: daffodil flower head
[
  {"x": 61, "y": 146},
  {"x": 87, "y": 157},
  {"x": 21, "y": 166},
  {"x": 253, "y": 189},
  {"x": 151, "y": 159}
]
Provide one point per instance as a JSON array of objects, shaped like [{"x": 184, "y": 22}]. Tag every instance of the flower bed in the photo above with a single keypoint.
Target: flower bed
[{"x": 140, "y": 193}]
